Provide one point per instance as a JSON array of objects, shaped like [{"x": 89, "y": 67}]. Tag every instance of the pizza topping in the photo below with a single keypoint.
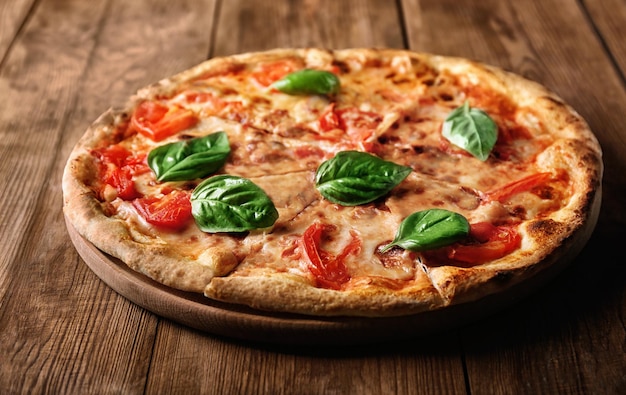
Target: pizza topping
[
  {"x": 522, "y": 185},
  {"x": 329, "y": 270},
  {"x": 472, "y": 130},
  {"x": 267, "y": 73},
  {"x": 360, "y": 126},
  {"x": 487, "y": 242},
  {"x": 328, "y": 120},
  {"x": 117, "y": 166},
  {"x": 189, "y": 159},
  {"x": 170, "y": 211},
  {"x": 226, "y": 203},
  {"x": 352, "y": 178},
  {"x": 430, "y": 229},
  {"x": 309, "y": 82},
  {"x": 158, "y": 121}
]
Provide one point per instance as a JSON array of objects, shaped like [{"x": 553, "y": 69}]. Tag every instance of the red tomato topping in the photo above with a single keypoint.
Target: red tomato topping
[
  {"x": 329, "y": 120},
  {"x": 522, "y": 185},
  {"x": 329, "y": 270},
  {"x": 122, "y": 180},
  {"x": 493, "y": 242},
  {"x": 171, "y": 211},
  {"x": 360, "y": 125},
  {"x": 117, "y": 168},
  {"x": 157, "y": 121},
  {"x": 269, "y": 73}
]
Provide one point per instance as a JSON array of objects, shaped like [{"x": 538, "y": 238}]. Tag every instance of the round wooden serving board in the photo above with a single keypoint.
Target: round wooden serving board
[{"x": 241, "y": 322}]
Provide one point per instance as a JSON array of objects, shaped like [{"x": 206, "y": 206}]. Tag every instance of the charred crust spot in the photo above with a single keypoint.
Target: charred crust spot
[{"x": 545, "y": 228}]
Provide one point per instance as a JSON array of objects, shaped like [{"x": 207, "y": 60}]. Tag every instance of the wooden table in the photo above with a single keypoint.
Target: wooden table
[{"x": 64, "y": 331}]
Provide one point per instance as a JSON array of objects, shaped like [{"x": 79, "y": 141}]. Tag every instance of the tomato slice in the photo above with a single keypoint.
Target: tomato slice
[
  {"x": 522, "y": 185},
  {"x": 330, "y": 271},
  {"x": 114, "y": 154},
  {"x": 268, "y": 73},
  {"x": 360, "y": 125},
  {"x": 171, "y": 211},
  {"x": 157, "y": 121},
  {"x": 122, "y": 180},
  {"x": 117, "y": 167},
  {"x": 329, "y": 120},
  {"x": 492, "y": 242}
]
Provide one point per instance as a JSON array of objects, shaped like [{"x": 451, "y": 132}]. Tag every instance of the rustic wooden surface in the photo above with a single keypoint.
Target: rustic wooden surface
[{"x": 63, "y": 331}]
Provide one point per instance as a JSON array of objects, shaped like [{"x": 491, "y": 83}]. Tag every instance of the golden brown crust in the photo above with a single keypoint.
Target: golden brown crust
[
  {"x": 547, "y": 241},
  {"x": 283, "y": 292}
]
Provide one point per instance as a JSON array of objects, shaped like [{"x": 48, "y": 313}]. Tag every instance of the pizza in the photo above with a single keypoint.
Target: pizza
[{"x": 352, "y": 182}]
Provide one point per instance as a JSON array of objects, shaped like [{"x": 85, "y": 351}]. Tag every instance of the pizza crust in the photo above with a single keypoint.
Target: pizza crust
[
  {"x": 548, "y": 242},
  {"x": 283, "y": 292}
]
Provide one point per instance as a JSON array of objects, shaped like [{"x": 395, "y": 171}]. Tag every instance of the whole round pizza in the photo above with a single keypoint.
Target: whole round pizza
[{"x": 355, "y": 182}]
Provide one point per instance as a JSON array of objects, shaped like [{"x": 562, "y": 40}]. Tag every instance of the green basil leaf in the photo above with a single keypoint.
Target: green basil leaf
[
  {"x": 226, "y": 203},
  {"x": 307, "y": 82},
  {"x": 472, "y": 130},
  {"x": 353, "y": 177},
  {"x": 429, "y": 229},
  {"x": 189, "y": 159}
]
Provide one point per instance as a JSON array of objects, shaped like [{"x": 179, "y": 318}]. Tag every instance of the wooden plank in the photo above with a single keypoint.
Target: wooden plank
[
  {"x": 560, "y": 340},
  {"x": 245, "y": 26},
  {"x": 608, "y": 18},
  {"x": 57, "y": 79},
  {"x": 215, "y": 365},
  {"x": 34, "y": 85},
  {"x": 12, "y": 16}
]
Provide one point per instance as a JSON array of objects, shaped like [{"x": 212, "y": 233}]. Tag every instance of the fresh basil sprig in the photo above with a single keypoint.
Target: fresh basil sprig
[
  {"x": 189, "y": 159},
  {"x": 227, "y": 203},
  {"x": 307, "y": 82},
  {"x": 472, "y": 130},
  {"x": 429, "y": 229},
  {"x": 353, "y": 177}
]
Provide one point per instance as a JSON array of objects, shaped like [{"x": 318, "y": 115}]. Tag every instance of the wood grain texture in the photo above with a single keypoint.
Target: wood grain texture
[
  {"x": 13, "y": 15},
  {"x": 246, "y": 26},
  {"x": 608, "y": 19},
  {"x": 62, "y": 330},
  {"x": 72, "y": 332},
  {"x": 50, "y": 323}
]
